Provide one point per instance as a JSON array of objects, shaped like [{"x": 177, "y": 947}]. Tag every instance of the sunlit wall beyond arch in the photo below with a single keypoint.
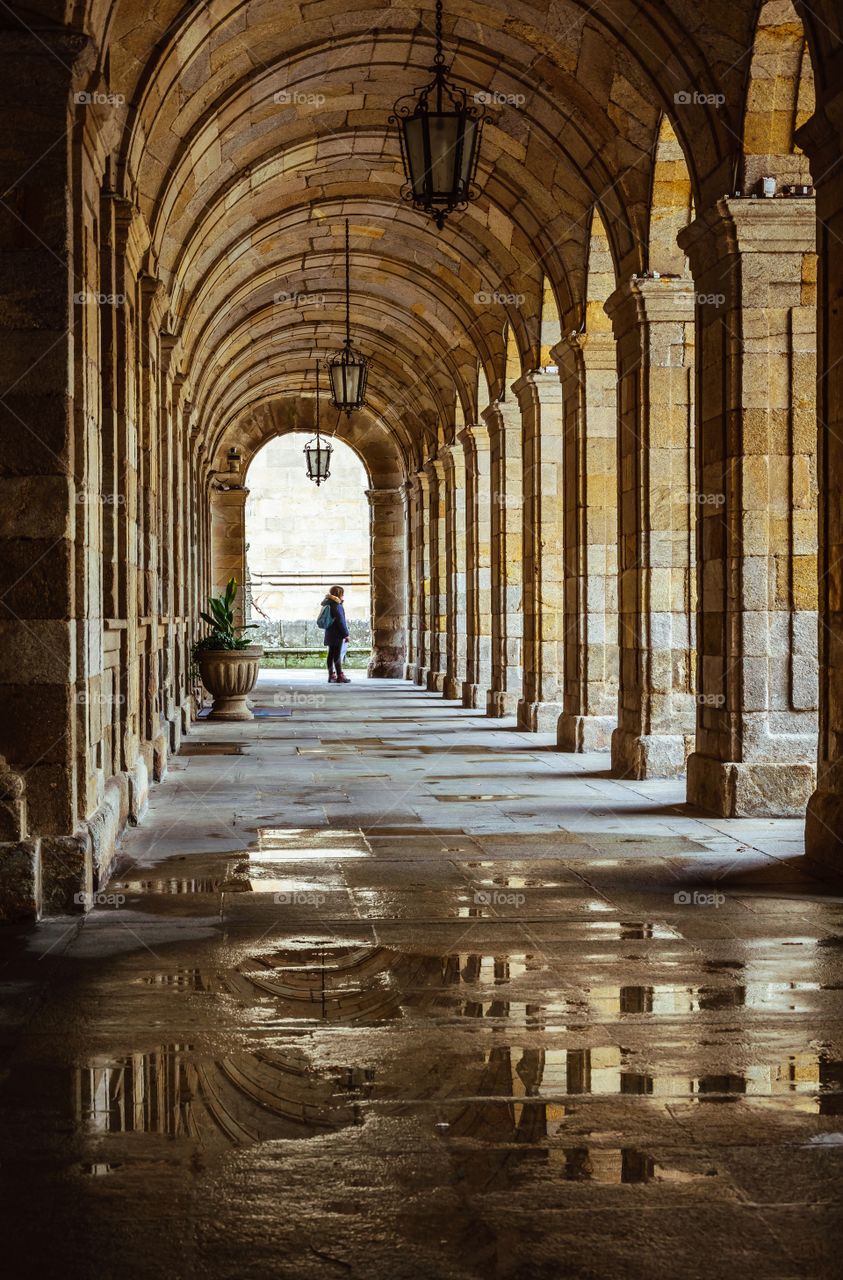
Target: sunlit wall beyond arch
[{"x": 302, "y": 538}]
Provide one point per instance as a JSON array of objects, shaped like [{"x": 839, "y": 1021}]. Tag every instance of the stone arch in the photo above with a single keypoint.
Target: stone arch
[
  {"x": 671, "y": 204},
  {"x": 779, "y": 98},
  {"x": 386, "y": 468}
]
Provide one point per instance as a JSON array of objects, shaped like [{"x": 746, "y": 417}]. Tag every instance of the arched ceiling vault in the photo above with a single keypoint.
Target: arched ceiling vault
[{"x": 245, "y": 190}]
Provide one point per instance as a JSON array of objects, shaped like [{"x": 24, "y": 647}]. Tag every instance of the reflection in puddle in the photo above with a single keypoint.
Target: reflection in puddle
[
  {"x": 177, "y": 885},
  {"x": 496, "y": 1078},
  {"x": 241, "y": 1098}
]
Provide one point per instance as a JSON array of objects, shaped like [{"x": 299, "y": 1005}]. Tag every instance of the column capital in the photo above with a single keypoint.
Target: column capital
[
  {"x": 734, "y": 226},
  {"x": 594, "y": 350},
  {"x": 538, "y": 387},
  {"x": 228, "y": 494},
  {"x": 501, "y": 416},
  {"x": 385, "y": 494},
  {"x": 474, "y": 435},
  {"x": 434, "y": 469},
  {"x": 643, "y": 302}
]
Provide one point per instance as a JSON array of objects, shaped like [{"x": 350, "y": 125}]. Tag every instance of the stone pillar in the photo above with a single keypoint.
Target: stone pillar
[
  {"x": 754, "y": 268},
  {"x": 540, "y": 400},
  {"x": 453, "y": 462},
  {"x": 435, "y": 472},
  {"x": 474, "y": 439},
  {"x": 588, "y": 373},
  {"x": 422, "y": 482},
  {"x": 503, "y": 420},
  {"x": 822, "y": 139},
  {"x": 46, "y": 479},
  {"x": 654, "y": 328},
  {"x": 408, "y": 495},
  {"x": 228, "y": 540},
  {"x": 388, "y": 578}
]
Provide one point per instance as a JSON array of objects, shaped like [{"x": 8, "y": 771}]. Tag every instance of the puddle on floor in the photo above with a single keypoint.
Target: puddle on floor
[{"x": 503, "y": 1094}]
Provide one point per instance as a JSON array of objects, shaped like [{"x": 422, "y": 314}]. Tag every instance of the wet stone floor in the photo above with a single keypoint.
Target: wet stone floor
[{"x": 382, "y": 988}]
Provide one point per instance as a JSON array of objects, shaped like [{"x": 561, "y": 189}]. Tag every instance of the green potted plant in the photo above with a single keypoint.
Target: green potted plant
[{"x": 227, "y": 663}]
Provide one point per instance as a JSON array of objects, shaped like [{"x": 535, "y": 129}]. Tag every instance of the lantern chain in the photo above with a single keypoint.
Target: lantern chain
[
  {"x": 439, "y": 58},
  {"x": 347, "y": 290}
]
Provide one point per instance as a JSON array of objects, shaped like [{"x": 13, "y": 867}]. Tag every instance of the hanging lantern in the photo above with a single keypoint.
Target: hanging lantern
[
  {"x": 440, "y": 141},
  {"x": 317, "y": 452},
  {"x": 347, "y": 369}
]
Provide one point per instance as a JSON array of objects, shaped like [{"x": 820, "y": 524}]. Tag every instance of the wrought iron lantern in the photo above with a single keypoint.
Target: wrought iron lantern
[
  {"x": 440, "y": 141},
  {"x": 317, "y": 452},
  {"x": 347, "y": 369}
]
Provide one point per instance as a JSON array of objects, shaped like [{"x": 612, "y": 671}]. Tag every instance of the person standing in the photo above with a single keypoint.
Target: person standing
[{"x": 335, "y": 634}]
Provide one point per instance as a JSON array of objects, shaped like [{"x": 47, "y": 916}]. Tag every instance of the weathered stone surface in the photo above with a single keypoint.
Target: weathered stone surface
[{"x": 20, "y": 880}]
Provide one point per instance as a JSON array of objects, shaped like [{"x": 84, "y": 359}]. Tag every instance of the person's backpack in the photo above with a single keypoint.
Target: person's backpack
[{"x": 324, "y": 620}]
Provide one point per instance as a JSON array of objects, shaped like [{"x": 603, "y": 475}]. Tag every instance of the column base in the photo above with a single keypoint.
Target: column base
[
  {"x": 56, "y": 875},
  {"x": 453, "y": 689},
  {"x": 409, "y": 671},
  {"x": 733, "y": 790},
  {"x": 20, "y": 880},
  {"x": 435, "y": 681},
  {"x": 652, "y": 755},
  {"x": 386, "y": 664},
  {"x": 538, "y": 717},
  {"x": 420, "y": 676},
  {"x": 824, "y": 830},
  {"x": 584, "y": 733},
  {"x": 474, "y": 696},
  {"x": 500, "y": 703}
]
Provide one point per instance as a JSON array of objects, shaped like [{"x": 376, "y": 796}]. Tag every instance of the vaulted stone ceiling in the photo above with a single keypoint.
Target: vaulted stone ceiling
[{"x": 243, "y": 193}]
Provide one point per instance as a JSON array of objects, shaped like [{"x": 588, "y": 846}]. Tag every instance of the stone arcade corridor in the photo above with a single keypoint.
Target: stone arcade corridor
[
  {"x": 521, "y": 956},
  {"x": 481, "y": 1033}
]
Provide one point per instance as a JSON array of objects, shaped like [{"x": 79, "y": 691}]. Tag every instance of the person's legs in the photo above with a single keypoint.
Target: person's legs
[{"x": 335, "y": 661}]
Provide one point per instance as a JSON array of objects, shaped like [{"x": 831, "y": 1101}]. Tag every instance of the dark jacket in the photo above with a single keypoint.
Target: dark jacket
[{"x": 338, "y": 630}]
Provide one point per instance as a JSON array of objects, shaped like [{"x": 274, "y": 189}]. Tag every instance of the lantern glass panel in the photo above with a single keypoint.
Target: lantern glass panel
[
  {"x": 444, "y": 143},
  {"x": 414, "y": 143},
  {"x": 471, "y": 134}
]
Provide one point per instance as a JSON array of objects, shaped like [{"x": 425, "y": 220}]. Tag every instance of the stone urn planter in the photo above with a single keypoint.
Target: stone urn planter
[
  {"x": 227, "y": 664},
  {"x": 230, "y": 675}
]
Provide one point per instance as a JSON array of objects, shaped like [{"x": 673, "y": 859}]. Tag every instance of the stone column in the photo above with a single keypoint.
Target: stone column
[
  {"x": 822, "y": 139},
  {"x": 540, "y": 400},
  {"x": 474, "y": 439},
  {"x": 654, "y": 328},
  {"x": 503, "y": 420},
  {"x": 588, "y": 372},
  {"x": 408, "y": 495},
  {"x": 228, "y": 539},
  {"x": 435, "y": 472},
  {"x": 47, "y": 481},
  {"x": 754, "y": 269},
  {"x": 388, "y": 577},
  {"x": 423, "y": 576},
  {"x": 453, "y": 462}
]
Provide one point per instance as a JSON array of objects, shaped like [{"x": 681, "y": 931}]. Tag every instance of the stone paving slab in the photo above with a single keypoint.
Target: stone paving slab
[{"x": 342, "y": 1024}]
